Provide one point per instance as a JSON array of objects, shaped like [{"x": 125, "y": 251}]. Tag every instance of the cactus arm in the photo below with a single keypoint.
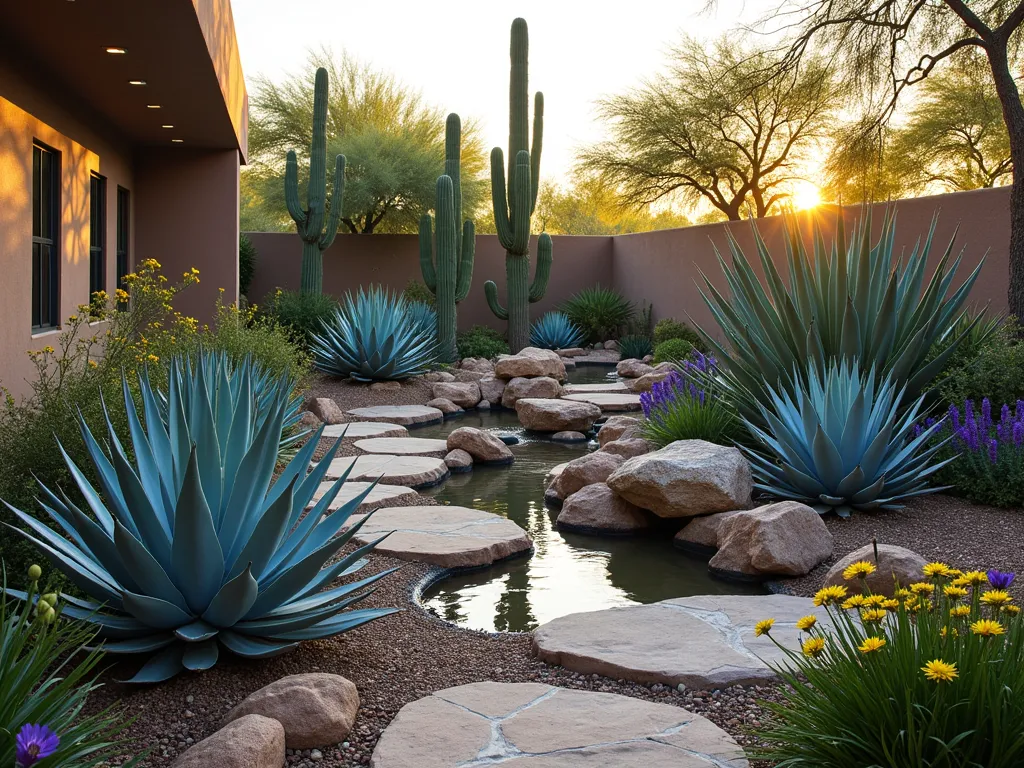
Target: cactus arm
[
  {"x": 491, "y": 292},
  {"x": 518, "y": 93},
  {"x": 291, "y": 190},
  {"x": 337, "y": 202},
  {"x": 543, "y": 271},
  {"x": 538, "y": 145},
  {"x": 468, "y": 249},
  {"x": 520, "y": 205},
  {"x": 427, "y": 253},
  {"x": 499, "y": 199},
  {"x": 453, "y": 163}
]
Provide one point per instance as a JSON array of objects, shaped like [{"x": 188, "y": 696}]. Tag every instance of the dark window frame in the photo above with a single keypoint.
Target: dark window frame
[
  {"x": 97, "y": 234},
  {"x": 124, "y": 228},
  {"x": 45, "y": 238}
]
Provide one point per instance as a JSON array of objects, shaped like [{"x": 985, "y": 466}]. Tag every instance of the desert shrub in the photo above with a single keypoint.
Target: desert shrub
[
  {"x": 47, "y": 672},
  {"x": 672, "y": 350},
  {"x": 677, "y": 408},
  {"x": 417, "y": 291},
  {"x": 481, "y": 341},
  {"x": 669, "y": 328},
  {"x": 634, "y": 346},
  {"x": 931, "y": 677},
  {"x": 993, "y": 368},
  {"x": 985, "y": 452},
  {"x": 247, "y": 256},
  {"x": 601, "y": 313},
  {"x": 302, "y": 314}
]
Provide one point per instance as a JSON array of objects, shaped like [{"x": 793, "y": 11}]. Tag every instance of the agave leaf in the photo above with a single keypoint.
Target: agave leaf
[
  {"x": 199, "y": 656},
  {"x": 162, "y": 666},
  {"x": 195, "y": 632},
  {"x": 146, "y": 644},
  {"x": 149, "y": 577},
  {"x": 251, "y": 647},
  {"x": 154, "y": 611},
  {"x": 266, "y": 536},
  {"x": 196, "y": 555},
  {"x": 341, "y": 623},
  {"x": 233, "y": 601}
]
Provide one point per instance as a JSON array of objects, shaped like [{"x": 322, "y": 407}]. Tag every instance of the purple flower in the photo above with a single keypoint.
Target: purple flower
[
  {"x": 1004, "y": 414},
  {"x": 33, "y": 743},
  {"x": 954, "y": 417},
  {"x": 1018, "y": 434},
  {"x": 1000, "y": 579},
  {"x": 993, "y": 450},
  {"x": 1019, "y": 415},
  {"x": 986, "y": 413}
]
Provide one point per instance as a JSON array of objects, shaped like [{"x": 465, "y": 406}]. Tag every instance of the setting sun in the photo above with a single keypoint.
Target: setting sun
[{"x": 806, "y": 195}]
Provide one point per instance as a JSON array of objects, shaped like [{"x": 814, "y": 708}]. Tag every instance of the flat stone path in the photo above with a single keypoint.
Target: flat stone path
[
  {"x": 586, "y": 389},
  {"x": 399, "y": 414},
  {"x": 404, "y": 446},
  {"x": 360, "y": 429},
  {"x": 446, "y": 536},
  {"x": 410, "y": 471},
  {"x": 608, "y": 401},
  {"x": 702, "y": 642},
  {"x": 531, "y": 725},
  {"x": 380, "y": 495}
]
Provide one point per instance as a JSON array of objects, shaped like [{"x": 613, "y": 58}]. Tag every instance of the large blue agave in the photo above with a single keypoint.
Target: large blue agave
[
  {"x": 372, "y": 337},
  {"x": 192, "y": 546},
  {"x": 555, "y": 331},
  {"x": 839, "y": 444}
]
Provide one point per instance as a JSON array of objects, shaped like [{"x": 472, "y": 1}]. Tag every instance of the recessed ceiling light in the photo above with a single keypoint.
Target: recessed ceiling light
[
  {"x": 177, "y": 141},
  {"x": 115, "y": 49},
  {"x": 152, "y": 106},
  {"x": 166, "y": 126},
  {"x": 136, "y": 82}
]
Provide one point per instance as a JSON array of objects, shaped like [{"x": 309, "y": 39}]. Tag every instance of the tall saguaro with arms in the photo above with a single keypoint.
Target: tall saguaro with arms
[
  {"x": 514, "y": 202},
  {"x": 453, "y": 275},
  {"x": 309, "y": 221}
]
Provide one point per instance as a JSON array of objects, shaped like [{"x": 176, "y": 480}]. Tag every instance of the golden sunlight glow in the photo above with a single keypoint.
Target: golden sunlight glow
[{"x": 806, "y": 195}]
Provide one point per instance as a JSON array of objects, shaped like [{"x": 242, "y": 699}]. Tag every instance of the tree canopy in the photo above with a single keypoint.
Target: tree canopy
[
  {"x": 392, "y": 140},
  {"x": 715, "y": 128}
]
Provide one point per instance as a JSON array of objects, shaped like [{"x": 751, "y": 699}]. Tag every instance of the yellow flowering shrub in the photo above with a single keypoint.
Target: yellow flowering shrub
[{"x": 933, "y": 676}]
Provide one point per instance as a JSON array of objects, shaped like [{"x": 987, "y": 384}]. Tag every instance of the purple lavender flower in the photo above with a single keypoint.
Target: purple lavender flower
[
  {"x": 1000, "y": 579},
  {"x": 917, "y": 430},
  {"x": 986, "y": 413},
  {"x": 1004, "y": 414},
  {"x": 993, "y": 450},
  {"x": 1018, "y": 434},
  {"x": 1019, "y": 415},
  {"x": 33, "y": 743},
  {"x": 954, "y": 417}
]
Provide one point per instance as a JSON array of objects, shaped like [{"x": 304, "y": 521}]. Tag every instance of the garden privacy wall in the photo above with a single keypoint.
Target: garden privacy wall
[{"x": 661, "y": 268}]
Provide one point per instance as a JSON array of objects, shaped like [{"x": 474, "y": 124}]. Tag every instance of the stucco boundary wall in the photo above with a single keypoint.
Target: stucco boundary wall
[{"x": 661, "y": 268}]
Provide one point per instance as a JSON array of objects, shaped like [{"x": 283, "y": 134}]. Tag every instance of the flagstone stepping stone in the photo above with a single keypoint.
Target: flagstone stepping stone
[
  {"x": 607, "y": 401},
  {"x": 532, "y": 725},
  {"x": 446, "y": 536},
  {"x": 406, "y": 415},
  {"x": 587, "y": 389},
  {"x": 550, "y": 415},
  {"x": 361, "y": 429},
  {"x": 702, "y": 642},
  {"x": 380, "y": 495},
  {"x": 404, "y": 446},
  {"x": 410, "y": 471}
]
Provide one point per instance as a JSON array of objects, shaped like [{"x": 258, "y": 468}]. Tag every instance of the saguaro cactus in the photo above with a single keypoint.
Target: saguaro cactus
[
  {"x": 514, "y": 207},
  {"x": 309, "y": 221},
  {"x": 451, "y": 279}
]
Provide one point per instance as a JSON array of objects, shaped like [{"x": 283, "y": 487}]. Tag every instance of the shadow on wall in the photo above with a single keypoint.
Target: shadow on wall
[{"x": 660, "y": 267}]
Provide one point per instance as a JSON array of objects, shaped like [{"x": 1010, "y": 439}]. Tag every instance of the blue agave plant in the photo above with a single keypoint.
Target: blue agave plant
[
  {"x": 423, "y": 316},
  {"x": 555, "y": 331},
  {"x": 838, "y": 445},
  {"x": 193, "y": 546},
  {"x": 374, "y": 337}
]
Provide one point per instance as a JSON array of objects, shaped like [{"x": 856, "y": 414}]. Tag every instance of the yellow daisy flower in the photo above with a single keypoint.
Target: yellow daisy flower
[
  {"x": 954, "y": 593},
  {"x": 806, "y": 624},
  {"x": 814, "y": 646},
  {"x": 871, "y": 644},
  {"x": 891, "y": 605},
  {"x": 974, "y": 578},
  {"x": 1013, "y": 610},
  {"x": 763, "y": 627},
  {"x": 873, "y": 615},
  {"x": 922, "y": 587},
  {"x": 854, "y": 601},
  {"x": 829, "y": 595},
  {"x": 940, "y": 671},
  {"x": 996, "y": 597},
  {"x": 859, "y": 570},
  {"x": 960, "y": 611},
  {"x": 874, "y": 600},
  {"x": 987, "y": 628},
  {"x": 902, "y": 592},
  {"x": 936, "y": 569}
]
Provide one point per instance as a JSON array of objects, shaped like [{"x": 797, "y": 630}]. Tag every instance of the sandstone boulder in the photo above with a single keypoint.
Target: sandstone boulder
[
  {"x": 484, "y": 447},
  {"x": 483, "y": 405},
  {"x": 895, "y": 567},
  {"x": 618, "y": 427},
  {"x": 544, "y": 415},
  {"x": 325, "y": 409},
  {"x": 309, "y": 420},
  {"x": 632, "y": 368},
  {"x": 465, "y": 394},
  {"x": 579, "y": 473},
  {"x": 491, "y": 389},
  {"x": 686, "y": 478},
  {"x": 444, "y": 405},
  {"x": 569, "y": 437},
  {"x": 458, "y": 461},
  {"x": 315, "y": 708},
  {"x": 700, "y": 535},
  {"x": 596, "y": 509},
  {"x": 519, "y": 387},
  {"x": 646, "y": 382},
  {"x": 385, "y": 386},
  {"x": 464, "y": 375},
  {"x": 783, "y": 539},
  {"x": 529, "y": 363},
  {"x": 628, "y": 447},
  {"x": 481, "y": 364},
  {"x": 611, "y": 344},
  {"x": 571, "y": 352},
  {"x": 251, "y": 741}
]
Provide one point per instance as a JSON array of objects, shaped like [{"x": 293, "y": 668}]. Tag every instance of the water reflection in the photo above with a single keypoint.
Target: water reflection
[{"x": 567, "y": 573}]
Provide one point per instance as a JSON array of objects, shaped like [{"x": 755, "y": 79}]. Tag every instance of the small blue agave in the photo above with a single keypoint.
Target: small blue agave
[{"x": 555, "y": 331}]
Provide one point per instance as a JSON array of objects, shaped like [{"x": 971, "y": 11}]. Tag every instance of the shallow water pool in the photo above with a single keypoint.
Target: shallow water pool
[{"x": 567, "y": 572}]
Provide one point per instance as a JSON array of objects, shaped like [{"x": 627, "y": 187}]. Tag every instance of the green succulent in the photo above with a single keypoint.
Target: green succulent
[
  {"x": 841, "y": 443},
  {"x": 193, "y": 546},
  {"x": 854, "y": 300},
  {"x": 373, "y": 336},
  {"x": 555, "y": 330},
  {"x": 635, "y": 346},
  {"x": 600, "y": 312}
]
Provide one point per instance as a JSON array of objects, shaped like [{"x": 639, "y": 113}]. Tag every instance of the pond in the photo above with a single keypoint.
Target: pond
[{"x": 567, "y": 572}]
